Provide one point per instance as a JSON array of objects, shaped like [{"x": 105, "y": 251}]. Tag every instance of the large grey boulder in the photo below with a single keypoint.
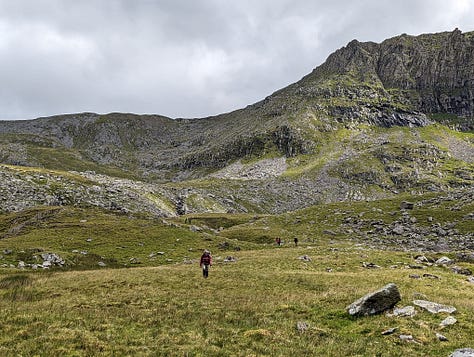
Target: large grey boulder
[
  {"x": 463, "y": 352},
  {"x": 375, "y": 302}
]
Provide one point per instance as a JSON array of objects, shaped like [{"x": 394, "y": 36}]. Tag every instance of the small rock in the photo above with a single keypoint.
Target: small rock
[
  {"x": 448, "y": 321},
  {"x": 302, "y": 326},
  {"x": 21, "y": 265},
  {"x": 370, "y": 265},
  {"x": 463, "y": 352},
  {"x": 407, "y": 338},
  {"x": 398, "y": 229},
  {"x": 444, "y": 261},
  {"x": 7, "y": 251},
  {"x": 305, "y": 258},
  {"x": 414, "y": 276},
  {"x": 407, "y": 311},
  {"x": 430, "y": 276},
  {"x": 460, "y": 270},
  {"x": 441, "y": 337},
  {"x": 433, "y": 307},
  {"x": 406, "y": 205},
  {"x": 465, "y": 257},
  {"x": 422, "y": 259},
  {"x": 229, "y": 259},
  {"x": 89, "y": 240},
  {"x": 46, "y": 264},
  {"x": 471, "y": 279},
  {"x": 101, "y": 264},
  {"x": 389, "y": 331}
]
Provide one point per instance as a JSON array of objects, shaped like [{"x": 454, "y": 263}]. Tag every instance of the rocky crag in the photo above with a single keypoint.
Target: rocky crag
[{"x": 373, "y": 121}]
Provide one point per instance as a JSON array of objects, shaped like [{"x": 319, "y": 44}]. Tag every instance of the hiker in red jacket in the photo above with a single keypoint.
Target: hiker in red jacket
[{"x": 205, "y": 263}]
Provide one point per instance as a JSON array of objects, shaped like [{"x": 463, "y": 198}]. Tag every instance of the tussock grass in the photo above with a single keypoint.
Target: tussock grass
[
  {"x": 247, "y": 308},
  {"x": 163, "y": 306}
]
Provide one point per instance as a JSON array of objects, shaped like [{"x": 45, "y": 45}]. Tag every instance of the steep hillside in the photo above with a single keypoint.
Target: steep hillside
[{"x": 372, "y": 121}]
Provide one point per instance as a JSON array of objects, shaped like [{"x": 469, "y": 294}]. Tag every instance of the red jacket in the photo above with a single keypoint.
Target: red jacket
[{"x": 206, "y": 259}]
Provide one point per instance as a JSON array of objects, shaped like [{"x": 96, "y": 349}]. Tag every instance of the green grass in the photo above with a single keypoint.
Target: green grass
[
  {"x": 114, "y": 239},
  {"x": 163, "y": 307},
  {"x": 247, "y": 308}
]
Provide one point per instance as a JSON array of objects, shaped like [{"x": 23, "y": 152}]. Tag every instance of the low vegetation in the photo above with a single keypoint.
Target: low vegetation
[{"x": 149, "y": 298}]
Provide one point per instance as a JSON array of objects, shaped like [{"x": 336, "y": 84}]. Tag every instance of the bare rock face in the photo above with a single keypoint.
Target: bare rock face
[
  {"x": 375, "y": 302},
  {"x": 432, "y": 72}
]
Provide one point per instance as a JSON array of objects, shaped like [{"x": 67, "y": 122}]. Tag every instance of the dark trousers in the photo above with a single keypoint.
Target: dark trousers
[{"x": 205, "y": 270}]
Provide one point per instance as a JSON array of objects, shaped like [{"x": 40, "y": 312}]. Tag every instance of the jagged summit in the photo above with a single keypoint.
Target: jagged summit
[
  {"x": 433, "y": 72},
  {"x": 405, "y": 80}
]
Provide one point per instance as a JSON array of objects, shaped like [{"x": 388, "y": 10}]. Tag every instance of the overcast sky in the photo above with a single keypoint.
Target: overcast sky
[{"x": 185, "y": 58}]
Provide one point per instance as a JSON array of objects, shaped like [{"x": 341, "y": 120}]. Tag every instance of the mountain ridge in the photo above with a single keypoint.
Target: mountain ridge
[{"x": 372, "y": 120}]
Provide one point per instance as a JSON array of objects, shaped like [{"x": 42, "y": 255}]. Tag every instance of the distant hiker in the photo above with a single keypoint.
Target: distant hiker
[
  {"x": 278, "y": 241},
  {"x": 205, "y": 263},
  {"x": 296, "y": 241}
]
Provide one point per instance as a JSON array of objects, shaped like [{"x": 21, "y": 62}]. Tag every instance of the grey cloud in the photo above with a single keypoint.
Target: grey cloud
[{"x": 185, "y": 58}]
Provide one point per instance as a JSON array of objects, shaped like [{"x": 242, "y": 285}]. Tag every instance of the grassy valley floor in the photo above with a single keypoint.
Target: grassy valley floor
[{"x": 250, "y": 307}]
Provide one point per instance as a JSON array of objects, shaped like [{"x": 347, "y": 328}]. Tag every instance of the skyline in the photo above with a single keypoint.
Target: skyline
[{"x": 185, "y": 59}]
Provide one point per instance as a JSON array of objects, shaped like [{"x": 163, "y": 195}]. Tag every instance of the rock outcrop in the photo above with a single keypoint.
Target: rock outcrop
[{"x": 375, "y": 302}]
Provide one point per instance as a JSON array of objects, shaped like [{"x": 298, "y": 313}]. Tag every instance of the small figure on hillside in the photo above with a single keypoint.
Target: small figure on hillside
[
  {"x": 278, "y": 241},
  {"x": 296, "y": 241},
  {"x": 205, "y": 263}
]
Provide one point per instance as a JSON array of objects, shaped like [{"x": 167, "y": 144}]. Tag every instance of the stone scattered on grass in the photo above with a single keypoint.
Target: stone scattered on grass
[
  {"x": 375, "y": 302},
  {"x": 463, "y": 352},
  {"x": 389, "y": 331},
  {"x": 448, "y": 321},
  {"x": 407, "y": 311},
  {"x": 434, "y": 307},
  {"x": 406, "y": 205},
  {"x": 430, "y": 276},
  {"x": 305, "y": 258},
  {"x": 441, "y": 337},
  {"x": 444, "y": 261},
  {"x": 302, "y": 326},
  {"x": 370, "y": 265},
  {"x": 460, "y": 270},
  {"x": 408, "y": 338}
]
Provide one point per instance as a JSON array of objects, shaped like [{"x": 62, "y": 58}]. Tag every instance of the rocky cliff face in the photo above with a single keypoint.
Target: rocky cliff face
[{"x": 431, "y": 73}]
